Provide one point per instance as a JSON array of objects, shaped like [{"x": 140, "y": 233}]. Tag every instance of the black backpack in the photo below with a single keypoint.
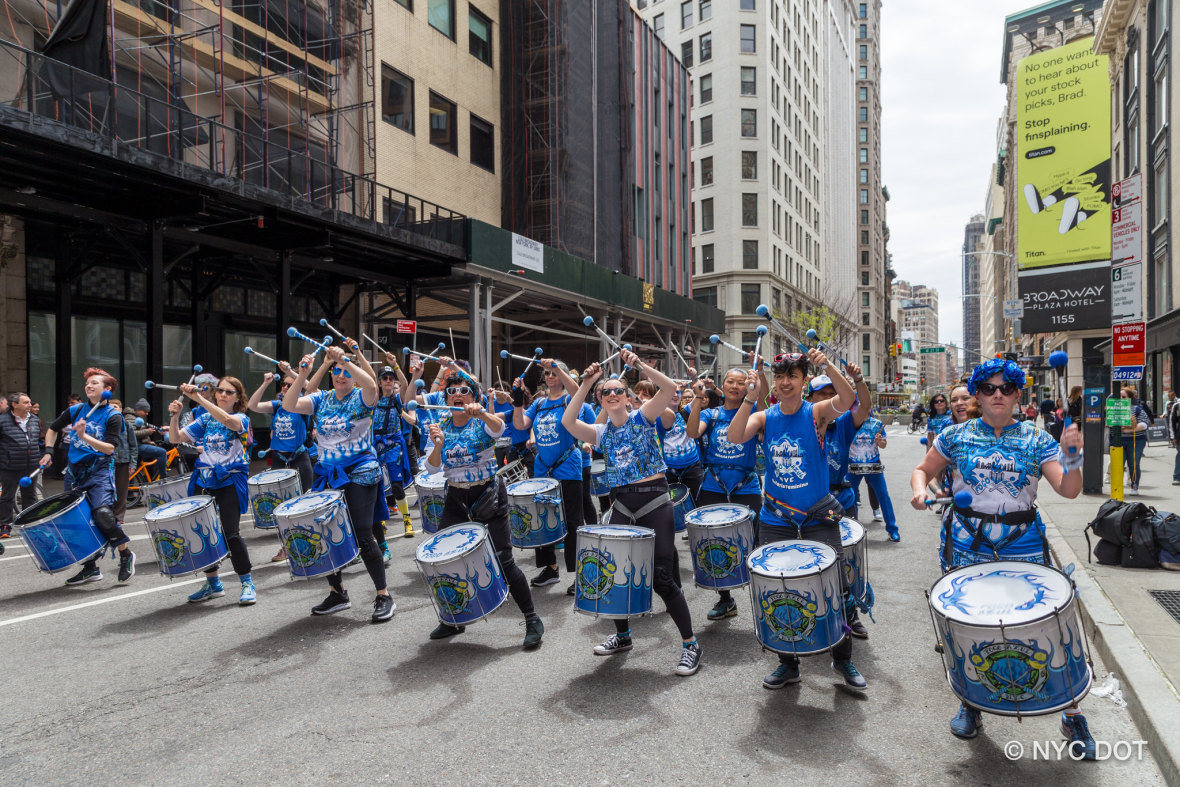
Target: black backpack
[
  {"x": 1166, "y": 527},
  {"x": 1127, "y": 534},
  {"x": 1113, "y": 521}
]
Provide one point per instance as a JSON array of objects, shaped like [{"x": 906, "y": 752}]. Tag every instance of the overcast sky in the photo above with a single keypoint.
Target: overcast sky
[{"x": 941, "y": 100}]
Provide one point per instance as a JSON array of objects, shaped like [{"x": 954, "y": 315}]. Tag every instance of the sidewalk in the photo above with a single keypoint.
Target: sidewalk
[{"x": 1131, "y": 630}]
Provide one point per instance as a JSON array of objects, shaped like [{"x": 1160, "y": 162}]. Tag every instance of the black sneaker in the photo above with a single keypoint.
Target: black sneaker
[
  {"x": 533, "y": 629},
  {"x": 852, "y": 677},
  {"x": 445, "y": 630},
  {"x": 690, "y": 660},
  {"x": 126, "y": 565},
  {"x": 547, "y": 577},
  {"x": 857, "y": 628},
  {"x": 724, "y": 608},
  {"x": 571, "y": 590},
  {"x": 785, "y": 673},
  {"x": 615, "y": 643},
  {"x": 85, "y": 575},
  {"x": 335, "y": 602},
  {"x": 383, "y": 608}
]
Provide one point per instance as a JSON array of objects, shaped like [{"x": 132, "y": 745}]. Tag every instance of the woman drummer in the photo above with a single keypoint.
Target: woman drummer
[
  {"x": 220, "y": 431},
  {"x": 730, "y": 470},
  {"x": 639, "y": 490},
  {"x": 797, "y": 502},
  {"x": 940, "y": 418},
  {"x": 392, "y": 451},
  {"x": 346, "y": 462},
  {"x": 999, "y": 461},
  {"x": 464, "y": 449}
]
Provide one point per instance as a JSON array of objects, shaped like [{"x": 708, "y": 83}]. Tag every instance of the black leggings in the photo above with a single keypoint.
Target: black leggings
[
  {"x": 230, "y": 512},
  {"x": 361, "y": 499},
  {"x": 874, "y": 504},
  {"x": 300, "y": 462},
  {"x": 667, "y": 564},
  {"x": 571, "y": 502},
  {"x": 750, "y": 501},
  {"x": 589, "y": 514},
  {"x": 690, "y": 476},
  {"x": 470, "y": 504}
]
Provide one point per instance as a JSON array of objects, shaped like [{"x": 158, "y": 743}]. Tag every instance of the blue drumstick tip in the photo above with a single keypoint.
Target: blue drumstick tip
[
  {"x": 503, "y": 353},
  {"x": 1058, "y": 359},
  {"x": 811, "y": 334},
  {"x": 107, "y": 395},
  {"x": 963, "y": 499},
  {"x": 405, "y": 351},
  {"x": 248, "y": 349},
  {"x": 537, "y": 351},
  {"x": 327, "y": 340},
  {"x": 323, "y": 321},
  {"x": 291, "y": 331},
  {"x": 714, "y": 339},
  {"x": 762, "y": 310},
  {"x": 411, "y": 405},
  {"x": 762, "y": 330},
  {"x": 922, "y": 441},
  {"x": 148, "y": 384},
  {"x": 198, "y": 368},
  {"x": 588, "y": 321},
  {"x": 628, "y": 348},
  {"x": 26, "y": 481},
  {"x": 139, "y": 422},
  {"x": 419, "y": 383},
  {"x": 442, "y": 345}
]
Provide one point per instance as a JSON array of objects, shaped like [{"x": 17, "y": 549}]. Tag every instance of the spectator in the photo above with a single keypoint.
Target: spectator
[
  {"x": 1169, "y": 406},
  {"x": 126, "y": 455},
  {"x": 21, "y": 447},
  {"x": 1134, "y": 440},
  {"x": 148, "y": 450},
  {"x": 1174, "y": 426},
  {"x": 38, "y": 490},
  {"x": 1047, "y": 407},
  {"x": 1075, "y": 403}
]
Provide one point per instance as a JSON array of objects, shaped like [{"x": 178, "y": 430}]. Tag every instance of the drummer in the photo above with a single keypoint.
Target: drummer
[
  {"x": 392, "y": 451},
  {"x": 940, "y": 418},
  {"x": 1000, "y": 461},
  {"x": 797, "y": 471},
  {"x": 89, "y": 467},
  {"x": 964, "y": 407},
  {"x": 730, "y": 474},
  {"x": 840, "y": 433},
  {"x": 289, "y": 436},
  {"x": 635, "y": 472},
  {"x": 864, "y": 461},
  {"x": 463, "y": 448},
  {"x": 558, "y": 457},
  {"x": 220, "y": 430},
  {"x": 343, "y": 419}
]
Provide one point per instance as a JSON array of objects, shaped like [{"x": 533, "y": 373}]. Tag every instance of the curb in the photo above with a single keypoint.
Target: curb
[{"x": 1151, "y": 698}]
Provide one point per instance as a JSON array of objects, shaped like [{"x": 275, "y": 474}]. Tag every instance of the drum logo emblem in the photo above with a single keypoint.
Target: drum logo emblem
[
  {"x": 432, "y": 508},
  {"x": 717, "y": 557},
  {"x": 790, "y": 616},
  {"x": 171, "y": 548},
  {"x": 520, "y": 521},
  {"x": 1011, "y": 671},
  {"x": 452, "y": 593},
  {"x": 265, "y": 504},
  {"x": 596, "y": 573},
  {"x": 304, "y": 546}
]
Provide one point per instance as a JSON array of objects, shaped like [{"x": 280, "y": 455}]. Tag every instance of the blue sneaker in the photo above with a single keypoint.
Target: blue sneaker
[
  {"x": 966, "y": 723},
  {"x": 784, "y": 673},
  {"x": 211, "y": 589},
  {"x": 852, "y": 677},
  {"x": 1077, "y": 731},
  {"x": 249, "y": 592}
]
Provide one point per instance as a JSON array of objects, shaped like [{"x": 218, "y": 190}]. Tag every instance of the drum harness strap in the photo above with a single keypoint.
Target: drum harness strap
[
  {"x": 548, "y": 469},
  {"x": 654, "y": 504},
  {"x": 1022, "y": 519},
  {"x": 474, "y": 509},
  {"x": 713, "y": 471},
  {"x": 822, "y": 511}
]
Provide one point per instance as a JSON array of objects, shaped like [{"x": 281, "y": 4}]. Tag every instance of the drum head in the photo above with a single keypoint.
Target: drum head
[
  {"x": 312, "y": 501},
  {"x": 533, "y": 486},
  {"x": 451, "y": 543},
  {"x": 786, "y": 559},
  {"x": 617, "y": 531},
  {"x": 430, "y": 480},
  {"x": 178, "y": 508},
  {"x": 851, "y": 532},
  {"x": 272, "y": 476},
  {"x": 1011, "y": 592},
  {"x": 48, "y": 508},
  {"x": 718, "y": 514},
  {"x": 677, "y": 492}
]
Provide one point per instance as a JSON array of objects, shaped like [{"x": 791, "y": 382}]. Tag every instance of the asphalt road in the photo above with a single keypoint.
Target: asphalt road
[{"x": 130, "y": 684}]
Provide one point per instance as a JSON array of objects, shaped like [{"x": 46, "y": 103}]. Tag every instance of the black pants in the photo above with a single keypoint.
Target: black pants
[
  {"x": 230, "y": 513},
  {"x": 826, "y": 532},
  {"x": 488, "y": 505},
  {"x": 361, "y": 498},
  {"x": 751, "y": 501},
  {"x": 10, "y": 480},
  {"x": 690, "y": 476},
  {"x": 300, "y": 462},
  {"x": 589, "y": 514},
  {"x": 667, "y": 564},
  {"x": 571, "y": 502}
]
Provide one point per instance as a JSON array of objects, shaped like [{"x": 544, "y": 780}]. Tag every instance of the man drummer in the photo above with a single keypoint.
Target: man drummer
[
  {"x": 999, "y": 461},
  {"x": 89, "y": 468}
]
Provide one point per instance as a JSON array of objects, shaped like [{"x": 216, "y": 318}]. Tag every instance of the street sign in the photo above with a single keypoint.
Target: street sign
[
  {"x": 925, "y": 350},
  {"x": 1129, "y": 345},
  {"x": 1118, "y": 412},
  {"x": 1126, "y": 292},
  {"x": 1014, "y": 309},
  {"x": 1093, "y": 402},
  {"x": 1127, "y": 373},
  {"x": 407, "y": 326},
  {"x": 1157, "y": 433}
]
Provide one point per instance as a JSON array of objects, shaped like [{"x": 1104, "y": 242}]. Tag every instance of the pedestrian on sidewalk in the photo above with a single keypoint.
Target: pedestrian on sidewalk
[
  {"x": 1174, "y": 433},
  {"x": 21, "y": 446},
  {"x": 1134, "y": 440}
]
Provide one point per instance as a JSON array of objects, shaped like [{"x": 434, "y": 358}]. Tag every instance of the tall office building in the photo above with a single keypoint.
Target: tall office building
[
  {"x": 918, "y": 311},
  {"x": 972, "y": 237}
]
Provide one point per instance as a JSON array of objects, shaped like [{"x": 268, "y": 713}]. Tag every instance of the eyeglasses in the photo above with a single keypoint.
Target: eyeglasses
[
  {"x": 987, "y": 389},
  {"x": 229, "y": 392},
  {"x": 788, "y": 357},
  {"x": 613, "y": 391},
  {"x": 336, "y": 370},
  {"x": 458, "y": 389},
  {"x": 550, "y": 374}
]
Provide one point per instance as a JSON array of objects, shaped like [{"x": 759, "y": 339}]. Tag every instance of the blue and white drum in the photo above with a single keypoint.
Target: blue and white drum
[
  {"x": 269, "y": 490},
  {"x": 1012, "y": 643},
  {"x": 856, "y": 555},
  {"x": 796, "y": 597},
  {"x": 615, "y": 568},
  {"x": 462, "y": 573},
  {"x": 187, "y": 535},
  {"x": 316, "y": 531},
  {"x": 536, "y": 516},
  {"x": 432, "y": 493},
  {"x": 720, "y": 538},
  {"x": 59, "y": 532},
  {"x": 598, "y": 486},
  {"x": 681, "y": 504},
  {"x": 166, "y": 490}
]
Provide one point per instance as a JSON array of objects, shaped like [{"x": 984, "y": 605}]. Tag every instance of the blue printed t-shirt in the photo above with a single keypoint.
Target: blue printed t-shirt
[
  {"x": 428, "y": 417},
  {"x": 864, "y": 449},
  {"x": 1001, "y": 473},
  {"x": 939, "y": 422},
  {"x": 106, "y": 424},
  {"x": 796, "y": 465},
  {"x": 837, "y": 444},
  {"x": 680, "y": 450},
  {"x": 223, "y": 449},
  {"x": 514, "y": 435},
  {"x": 631, "y": 451},
  {"x": 343, "y": 427},
  {"x": 468, "y": 451},
  {"x": 733, "y": 464},
  {"x": 557, "y": 455},
  {"x": 288, "y": 431}
]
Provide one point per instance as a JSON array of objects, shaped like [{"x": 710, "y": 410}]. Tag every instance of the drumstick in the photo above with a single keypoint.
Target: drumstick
[
  {"x": 589, "y": 323},
  {"x": 460, "y": 372},
  {"x": 814, "y": 336},
  {"x": 764, "y": 311},
  {"x": 324, "y": 322},
  {"x": 762, "y": 331},
  {"x": 252, "y": 351},
  {"x": 1058, "y": 360},
  {"x": 961, "y": 500},
  {"x": 715, "y": 339},
  {"x": 373, "y": 342},
  {"x": 678, "y": 353},
  {"x": 610, "y": 358},
  {"x": 197, "y": 369},
  {"x": 505, "y": 354},
  {"x": 295, "y": 334},
  {"x": 27, "y": 480},
  {"x": 411, "y": 406},
  {"x": 537, "y": 352},
  {"x": 150, "y": 385}
]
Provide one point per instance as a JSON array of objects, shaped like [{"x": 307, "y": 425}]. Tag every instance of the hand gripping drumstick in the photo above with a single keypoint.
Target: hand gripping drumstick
[
  {"x": 411, "y": 406},
  {"x": 460, "y": 372},
  {"x": 27, "y": 480},
  {"x": 814, "y": 336},
  {"x": 764, "y": 311},
  {"x": 762, "y": 331},
  {"x": 961, "y": 499},
  {"x": 588, "y": 321},
  {"x": 295, "y": 334},
  {"x": 1058, "y": 360},
  {"x": 610, "y": 358}
]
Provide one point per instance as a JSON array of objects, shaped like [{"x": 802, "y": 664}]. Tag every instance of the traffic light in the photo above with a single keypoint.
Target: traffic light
[
  {"x": 923, "y": 381},
  {"x": 893, "y": 350}
]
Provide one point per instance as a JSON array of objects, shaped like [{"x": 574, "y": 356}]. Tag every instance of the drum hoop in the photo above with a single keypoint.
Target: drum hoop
[
  {"x": 553, "y": 484},
  {"x": 591, "y": 531},
  {"x": 153, "y": 516},
  {"x": 484, "y": 537},
  {"x": 78, "y": 497},
  {"x": 1055, "y": 613},
  {"x": 287, "y": 472},
  {"x": 1015, "y": 564}
]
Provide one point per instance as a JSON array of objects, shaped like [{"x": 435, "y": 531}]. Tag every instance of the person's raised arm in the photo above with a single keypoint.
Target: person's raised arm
[
  {"x": 293, "y": 400},
  {"x": 365, "y": 381},
  {"x": 570, "y": 418},
  {"x": 654, "y": 407},
  {"x": 231, "y": 421},
  {"x": 693, "y": 424},
  {"x": 358, "y": 357},
  {"x": 520, "y": 421},
  {"x": 256, "y": 405},
  {"x": 863, "y": 395},
  {"x": 1064, "y": 473},
  {"x": 745, "y": 426},
  {"x": 391, "y": 360},
  {"x": 839, "y": 404},
  {"x": 314, "y": 382}
]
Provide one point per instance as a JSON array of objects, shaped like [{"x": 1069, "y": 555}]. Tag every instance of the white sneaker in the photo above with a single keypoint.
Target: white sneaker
[{"x": 877, "y": 515}]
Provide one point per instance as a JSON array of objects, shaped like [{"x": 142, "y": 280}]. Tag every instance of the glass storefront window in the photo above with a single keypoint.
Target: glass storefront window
[
  {"x": 250, "y": 368},
  {"x": 42, "y": 362}
]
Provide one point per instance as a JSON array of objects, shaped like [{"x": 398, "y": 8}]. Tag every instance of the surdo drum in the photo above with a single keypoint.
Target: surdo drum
[
  {"x": 536, "y": 516},
  {"x": 432, "y": 494},
  {"x": 796, "y": 598},
  {"x": 316, "y": 531},
  {"x": 59, "y": 532},
  {"x": 269, "y": 490},
  {"x": 720, "y": 538},
  {"x": 462, "y": 573},
  {"x": 614, "y": 572},
  {"x": 187, "y": 535}
]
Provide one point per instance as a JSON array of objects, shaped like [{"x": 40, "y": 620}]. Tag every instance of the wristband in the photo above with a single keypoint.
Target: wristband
[
  {"x": 1072, "y": 462},
  {"x": 48, "y": 451},
  {"x": 749, "y": 401}
]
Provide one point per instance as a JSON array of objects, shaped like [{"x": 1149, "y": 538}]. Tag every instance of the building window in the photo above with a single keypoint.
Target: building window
[
  {"x": 747, "y": 34},
  {"x": 749, "y": 122},
  {"x": 442, "y": 123},
  {"x": 750, "y": 255},
  {"x": 864, "y": 299},
  {"x": 751, "y": 299},
  {"x": 479, "y": 35},
  {"x": 658, "y": 25},
  {"x": 706, "y": 47},
  {"x": 707, "y": 171},
  {"x": 864, "y": 236},
  {"x": 686, "y": 54},
  {"x": 706, "y": 10},
  {"x": 1160, "y": 208},
  {"x": 441, "y": 15},
  {"x": 863, "y": 51},
  {"x": 864, "y": 176},
  {"x": 707, "y": 258},
  {"x": 707, "y": 215},
  {"x": 483, "y": 144},
  {"x": 863, "y": 94},
  {"x": 864, "y": 217},
  {"x": 864, "y": 155},
  {"x": 706, "y": 88},
  {"x": 749, "y": 210},
  {"x": 862, "y": 114},
  {"x": 686, "y": 15},
  {"x": 864, "y": 258},
  {"x": 863, "y": 11},
  {"x": 749, "y": 165},
  {"x": 862, "y": 31},
  {"x": 864, "y": 135},
  {"x": 749, "y": 81},
  {"x": 864, "y": 196},
  {"x": 407, "y": 3},
  {"x": 707, "y": 130},
  {"x": 1161, "y": 99},
  {"x": 747, "y": 5},
  {"x": 865, "y": 318},
  {"x": 397, "y": 98},
  {"x": 866, "y": 343},
  {"x": 705, "y": 295},
  {"x": 862, "y": 72},
  {"x": 864, "y": 278}
]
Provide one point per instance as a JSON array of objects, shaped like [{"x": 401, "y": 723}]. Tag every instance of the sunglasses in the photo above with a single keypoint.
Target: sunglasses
[
  {"x": 458, "y": 389},
  {"x": 229, "y": 392},
  {"x": 613, "y": 391},
  {"x": 336, "y": 370},
  {"x": 943, "y": 401},
  {"x": 987, "y": 389},
  {"x": 787, "y": 357}
]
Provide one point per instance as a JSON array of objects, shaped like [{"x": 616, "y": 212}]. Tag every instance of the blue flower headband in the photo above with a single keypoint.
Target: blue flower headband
[{"x": 1011, "y": 371}]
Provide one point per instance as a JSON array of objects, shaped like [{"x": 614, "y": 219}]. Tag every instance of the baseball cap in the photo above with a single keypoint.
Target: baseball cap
[
  {"x": 820, "y": 381},
  {"x": 386, "y": 370}
]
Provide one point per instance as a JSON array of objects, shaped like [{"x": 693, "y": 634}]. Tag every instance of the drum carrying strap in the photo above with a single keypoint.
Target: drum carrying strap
[
  {"x": 651, "y": 505},
  {"x": 822, "y": 511},
  {"x": 481, "y": 509},
  {"x": 548, "y": 469},
  {"x": 1021, "y": 519},
  {"x": 750, "y": 476}
]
